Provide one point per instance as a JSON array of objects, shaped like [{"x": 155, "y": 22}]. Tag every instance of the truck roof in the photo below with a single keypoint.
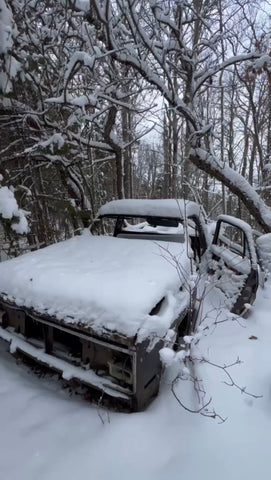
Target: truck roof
[{"x": 169, "y": 208}]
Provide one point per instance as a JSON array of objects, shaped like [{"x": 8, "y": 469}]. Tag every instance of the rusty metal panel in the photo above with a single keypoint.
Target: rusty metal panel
[{"x": 16, "y": 319}]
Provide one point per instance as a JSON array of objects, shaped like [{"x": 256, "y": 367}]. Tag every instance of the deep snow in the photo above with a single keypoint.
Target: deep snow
[{"x": 47, "y": 435}]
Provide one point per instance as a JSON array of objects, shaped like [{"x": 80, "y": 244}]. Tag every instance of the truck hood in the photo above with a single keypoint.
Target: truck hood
[{"x": 102, "y": 282}]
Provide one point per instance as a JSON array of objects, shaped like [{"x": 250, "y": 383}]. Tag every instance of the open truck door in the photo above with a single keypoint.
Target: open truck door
[{"x": 234, "y": 263}]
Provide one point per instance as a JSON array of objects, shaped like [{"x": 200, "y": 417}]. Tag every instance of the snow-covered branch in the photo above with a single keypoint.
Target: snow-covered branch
[{"x": 9, "y": 210}]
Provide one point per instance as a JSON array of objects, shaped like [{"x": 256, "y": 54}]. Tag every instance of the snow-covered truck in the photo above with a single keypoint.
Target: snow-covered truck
[{"x": 98, "y": 308}]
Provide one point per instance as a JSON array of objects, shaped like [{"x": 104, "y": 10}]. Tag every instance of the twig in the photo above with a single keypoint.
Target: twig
[{"x": 231, "y": 382}]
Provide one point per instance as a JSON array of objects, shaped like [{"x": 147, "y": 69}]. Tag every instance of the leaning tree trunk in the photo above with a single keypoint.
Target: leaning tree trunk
[{"x": 236, "y": 183}]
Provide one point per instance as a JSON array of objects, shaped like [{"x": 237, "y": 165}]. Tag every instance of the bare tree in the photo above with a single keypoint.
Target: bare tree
[{"x": 148, "y": 37}]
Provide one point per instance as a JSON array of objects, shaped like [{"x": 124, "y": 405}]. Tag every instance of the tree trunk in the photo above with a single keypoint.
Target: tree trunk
[{"x": 237, "y": 184}]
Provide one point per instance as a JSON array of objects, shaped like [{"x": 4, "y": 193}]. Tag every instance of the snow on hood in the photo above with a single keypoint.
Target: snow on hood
[{"x": 100, "y": 281}]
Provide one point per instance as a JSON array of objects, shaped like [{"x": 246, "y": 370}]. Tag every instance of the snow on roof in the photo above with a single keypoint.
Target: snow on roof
[
  {"x": 151, "y": 208},
  {"x": 101, "y": 282}
]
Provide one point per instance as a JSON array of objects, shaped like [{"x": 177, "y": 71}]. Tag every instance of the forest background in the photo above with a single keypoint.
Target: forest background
[{"x": 105, "y": 99}]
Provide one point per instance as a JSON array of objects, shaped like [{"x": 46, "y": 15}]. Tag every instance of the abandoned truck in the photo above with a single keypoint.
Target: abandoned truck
[{"x": 97, "y": 309}]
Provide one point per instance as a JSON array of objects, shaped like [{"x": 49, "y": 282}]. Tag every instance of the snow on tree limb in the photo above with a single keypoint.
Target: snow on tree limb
[
  {"x": 236, "y": 183},
  {"x": 202, "y": 77},
  {"x": 9, "y": 65},
  {"x": 9, "y": 210}
]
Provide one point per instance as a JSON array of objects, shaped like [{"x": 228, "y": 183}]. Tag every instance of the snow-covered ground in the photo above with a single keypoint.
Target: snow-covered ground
[{"x": 45, "y": 434}]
